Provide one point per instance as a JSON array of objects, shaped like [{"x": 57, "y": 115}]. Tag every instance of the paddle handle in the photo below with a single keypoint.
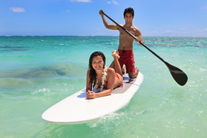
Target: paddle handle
[{"x": 135, "y": 38}]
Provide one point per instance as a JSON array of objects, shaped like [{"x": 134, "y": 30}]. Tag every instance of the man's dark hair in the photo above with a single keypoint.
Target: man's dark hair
[{"x": 129, "y": 10}]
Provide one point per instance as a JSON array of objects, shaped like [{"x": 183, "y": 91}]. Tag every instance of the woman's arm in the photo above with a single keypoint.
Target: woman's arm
[
  {"x": 88, "y": 84},
  {"x": 89, "y": 92}
]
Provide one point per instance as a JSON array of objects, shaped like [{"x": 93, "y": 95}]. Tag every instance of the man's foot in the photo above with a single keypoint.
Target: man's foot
[
  {"x": 115, "y": 54},
  {"x": 137, "y": 69},
  {"x": 123, "y": 69},
  {"x": 134, "y": 74}
]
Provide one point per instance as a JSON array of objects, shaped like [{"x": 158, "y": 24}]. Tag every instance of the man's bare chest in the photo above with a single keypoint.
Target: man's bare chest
[{"x": 131, "y": 30}]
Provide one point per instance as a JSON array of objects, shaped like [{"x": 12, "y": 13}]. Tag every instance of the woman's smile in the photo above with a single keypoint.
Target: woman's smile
[{"x": 97, "y": 63}]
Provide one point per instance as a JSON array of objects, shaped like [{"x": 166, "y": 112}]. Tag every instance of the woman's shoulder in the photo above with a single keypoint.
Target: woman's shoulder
[
  {"x": 88, "y": 70},
  {"x": 110, "y": 70}
]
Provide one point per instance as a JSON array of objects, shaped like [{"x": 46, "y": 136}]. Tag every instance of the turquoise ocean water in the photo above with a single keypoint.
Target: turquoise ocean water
[{"x": 38, "y": 71}]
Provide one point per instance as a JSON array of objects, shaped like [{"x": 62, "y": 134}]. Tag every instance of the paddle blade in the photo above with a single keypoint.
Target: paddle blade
[{"x": 179, "y": 76}]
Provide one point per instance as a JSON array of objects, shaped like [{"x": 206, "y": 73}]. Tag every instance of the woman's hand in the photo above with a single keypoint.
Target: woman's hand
[{"x": 90, "y": 94}]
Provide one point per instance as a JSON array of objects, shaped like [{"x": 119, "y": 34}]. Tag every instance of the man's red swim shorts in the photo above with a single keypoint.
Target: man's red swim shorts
[{"x": 127, "y": 58}]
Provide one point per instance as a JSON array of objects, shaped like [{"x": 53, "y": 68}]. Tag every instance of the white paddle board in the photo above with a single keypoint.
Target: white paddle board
[{"x": 76, "y": 109}]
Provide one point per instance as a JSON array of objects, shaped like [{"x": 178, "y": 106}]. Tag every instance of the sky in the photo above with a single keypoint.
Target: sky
[{"x": 180, "y": 18}]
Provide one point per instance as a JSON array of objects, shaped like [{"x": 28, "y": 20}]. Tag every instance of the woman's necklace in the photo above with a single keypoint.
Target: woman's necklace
[{"x": 102, "y": 81}]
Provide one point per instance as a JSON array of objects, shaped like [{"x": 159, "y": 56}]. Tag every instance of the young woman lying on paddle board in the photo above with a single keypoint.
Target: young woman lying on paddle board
[{"x": 101, "y": 78}]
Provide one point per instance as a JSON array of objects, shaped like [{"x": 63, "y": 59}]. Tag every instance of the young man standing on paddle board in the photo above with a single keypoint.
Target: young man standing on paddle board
[{"x": 126, "y": 41}]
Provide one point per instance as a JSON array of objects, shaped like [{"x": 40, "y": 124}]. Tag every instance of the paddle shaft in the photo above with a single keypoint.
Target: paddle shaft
[{"x": 135, "y": 38}]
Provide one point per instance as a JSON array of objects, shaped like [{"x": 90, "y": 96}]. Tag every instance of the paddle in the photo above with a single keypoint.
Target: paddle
[{"x": 179, "y": 76}]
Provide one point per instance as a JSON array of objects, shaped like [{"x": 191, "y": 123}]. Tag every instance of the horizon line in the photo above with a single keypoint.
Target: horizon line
[{"x": 99, "y": 35}]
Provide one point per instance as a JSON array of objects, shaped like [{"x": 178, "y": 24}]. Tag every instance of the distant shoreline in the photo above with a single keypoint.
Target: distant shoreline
[{"x": 94, "y": 36}]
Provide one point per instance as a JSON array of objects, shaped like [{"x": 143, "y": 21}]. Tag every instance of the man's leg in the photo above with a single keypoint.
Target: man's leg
[
  {"x": 130, "y": 64},
  {"x": 134, "y": 74}
]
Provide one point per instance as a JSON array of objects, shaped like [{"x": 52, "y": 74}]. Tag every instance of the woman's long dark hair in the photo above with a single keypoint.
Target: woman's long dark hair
[{"x": 92, "y": 73}]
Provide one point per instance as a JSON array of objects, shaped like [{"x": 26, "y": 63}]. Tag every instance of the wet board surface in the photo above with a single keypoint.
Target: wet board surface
[{"x": 76, "y": 109}]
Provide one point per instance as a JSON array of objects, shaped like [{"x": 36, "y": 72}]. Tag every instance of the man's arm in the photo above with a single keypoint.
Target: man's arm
[
  {"x": 107, "y": 25},
  {"x": 139, "y": 36}
]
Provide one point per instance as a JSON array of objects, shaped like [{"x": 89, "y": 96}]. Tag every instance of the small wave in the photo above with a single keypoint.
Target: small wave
[
  {"x": 109, "y": 118},
  {"x": 43, "y": 90},
  {"x": 202, "y": 69},
  {"x": 12, "y": 48},
  {"x": 40, "y": 72}
]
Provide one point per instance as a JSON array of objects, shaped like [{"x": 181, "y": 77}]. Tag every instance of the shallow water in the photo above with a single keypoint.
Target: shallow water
[{"x": 38, "y": 71}]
